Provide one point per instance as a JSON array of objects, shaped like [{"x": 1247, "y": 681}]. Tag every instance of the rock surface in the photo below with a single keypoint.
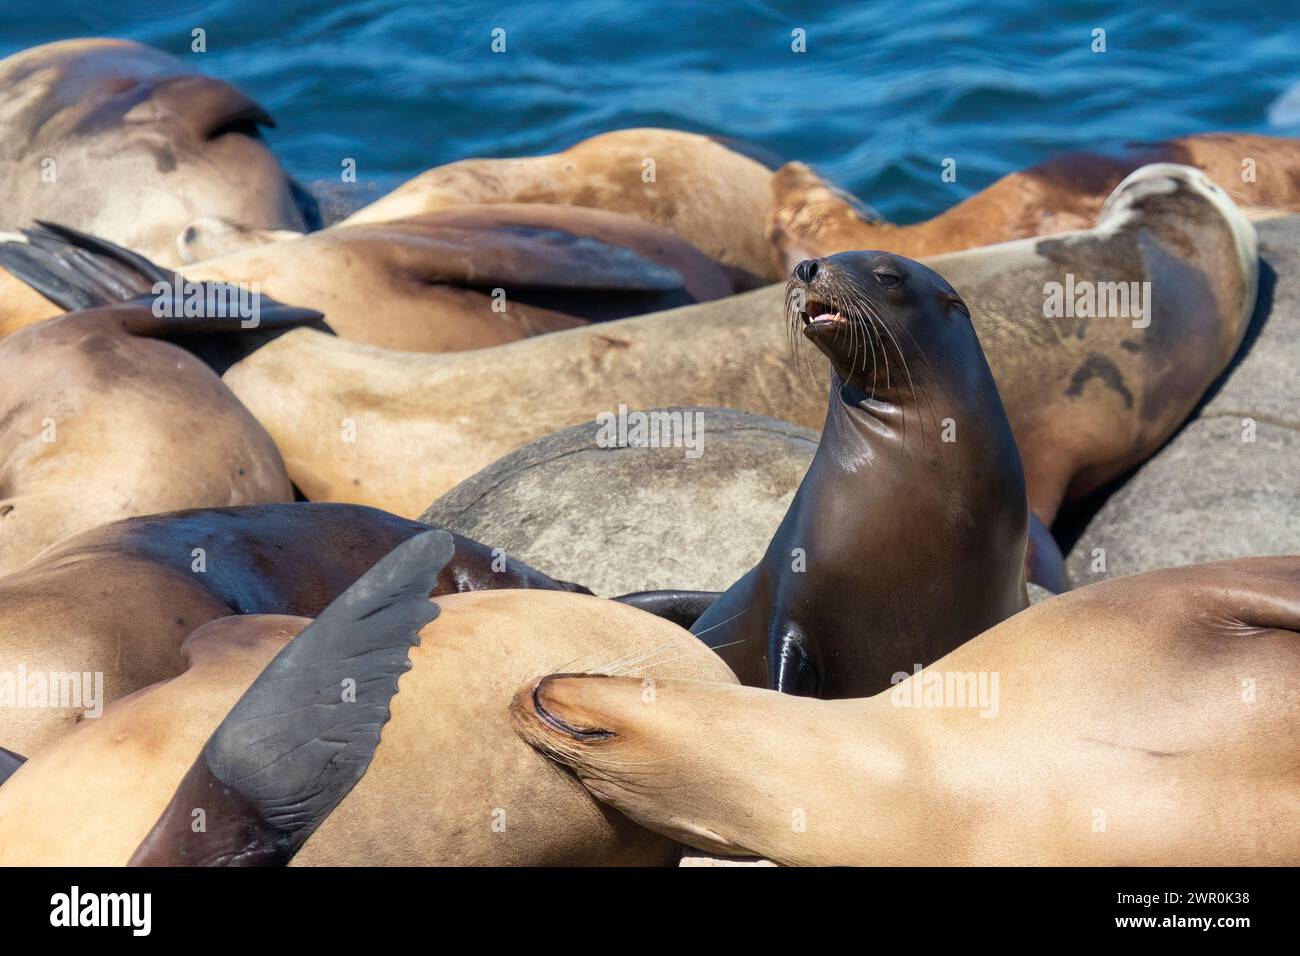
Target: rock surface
[{"x": 621, "y": 519}]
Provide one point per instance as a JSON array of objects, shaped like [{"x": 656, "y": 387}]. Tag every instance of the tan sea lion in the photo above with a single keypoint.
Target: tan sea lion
[
  {"x": 433, "y": 774},
  {"x": 124, "y": 141},
  {"x": 1261, "y": 174},
  {"x": 459, "y": 278},
  {"x": 707, "y": 190},
  {"x": 111, "y": 607},
  {"x": 1144, "y": 721},
  {"x": 100, "y": 420},
  {"x": 1086, "y": 397}
]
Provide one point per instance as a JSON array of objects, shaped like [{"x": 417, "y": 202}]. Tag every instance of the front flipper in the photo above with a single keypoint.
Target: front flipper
[
  {"x": 792, "y": 666},
  {"x": 683, "y": 608},
  {"x": 297, "y": 742}
]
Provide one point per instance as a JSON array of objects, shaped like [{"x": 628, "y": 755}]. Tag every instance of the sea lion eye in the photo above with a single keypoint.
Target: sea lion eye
[
  {"x": 888, "y": 278},
  {"x": 959, "y": 305}
]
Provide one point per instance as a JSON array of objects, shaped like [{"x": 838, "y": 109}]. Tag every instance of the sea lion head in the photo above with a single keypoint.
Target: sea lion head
[{"x": 872, "y": 313}]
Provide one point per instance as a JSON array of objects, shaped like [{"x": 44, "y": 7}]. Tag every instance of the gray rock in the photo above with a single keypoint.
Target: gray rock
[
  {"x": 1210, "y": 494},
  {"x": 631, "y": 519}
]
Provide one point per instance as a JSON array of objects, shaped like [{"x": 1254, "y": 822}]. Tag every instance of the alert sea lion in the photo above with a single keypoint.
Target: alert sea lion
[
  {"x": 121, "y": 140},
  {"x": 907, "y": 535},
  {"x": 1144, "y": 721},
  {"x": 101, "y": 420},
  {"x": 454, "y": 279},
  {"x": 1086, "y": 397},
  {"x": 812, "y": 218},
  {"x": 117, "y": 602},
  {"x": 431, "y": 775}
]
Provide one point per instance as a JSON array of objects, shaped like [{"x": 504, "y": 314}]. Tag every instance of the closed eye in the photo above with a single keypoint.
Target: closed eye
[
  {"x": 888, "y": 279},
  {"x": 959, "y": 305}
]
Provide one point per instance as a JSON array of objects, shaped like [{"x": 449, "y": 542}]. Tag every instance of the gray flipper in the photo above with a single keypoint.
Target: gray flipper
[
  {"x": 293, "y": 746},
  {"x": 9, "y": 762}
]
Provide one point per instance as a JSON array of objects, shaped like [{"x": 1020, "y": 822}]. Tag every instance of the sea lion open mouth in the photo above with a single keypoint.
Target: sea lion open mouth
[{"x": 817, "y": 314}]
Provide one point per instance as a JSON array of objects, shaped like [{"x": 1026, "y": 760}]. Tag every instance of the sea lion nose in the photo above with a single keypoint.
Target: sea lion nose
[{"x": 806, "y": 271}]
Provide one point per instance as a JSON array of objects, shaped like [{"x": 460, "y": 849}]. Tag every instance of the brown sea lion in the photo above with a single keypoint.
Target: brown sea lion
[
  {"x": 907, "y": 535},
  {"x": 117, "y": 602},
  {"x": 455, "y": 279},
  {"x": 1144, "y": 721},
  {"x": 124, "y": 141},
  {"x": 1261, "y": 174},
  {"x": 431, "y": 775},
  {"x": 100, "y": 420}
]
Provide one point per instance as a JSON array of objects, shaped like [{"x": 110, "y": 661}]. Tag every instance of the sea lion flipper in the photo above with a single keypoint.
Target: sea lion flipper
[
  {"x": 9, "y": 763},
  {"x": 76, "y": 270},
  {"x": 299, "y": 739},
  {"x": 545, "y": 257},
  {"x": 683, "y": 608}
]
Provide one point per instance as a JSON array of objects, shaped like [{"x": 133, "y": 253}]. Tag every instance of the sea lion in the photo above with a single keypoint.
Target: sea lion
[
  {"x": 1144, "y": 721},
  {"x": 1225, "y": 485},
  {"x": 455, "y": 279},
  {"x": 711, "y": 193},
  {"x": 907, "y": 534},
  {"x": 443, "y": 780},
  {"x": 117, "y": 602},
  {"x": 121, "y": 140},
  {"x": 812, "y": 218},
  {"x": 99, "y": 420},
  {"x": 1087, "y": 398}
]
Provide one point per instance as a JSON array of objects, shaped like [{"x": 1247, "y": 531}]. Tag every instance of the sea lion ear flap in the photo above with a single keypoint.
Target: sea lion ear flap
[
  {"x": 306, "y": 730},
  {"x": 206, "y": 107}
]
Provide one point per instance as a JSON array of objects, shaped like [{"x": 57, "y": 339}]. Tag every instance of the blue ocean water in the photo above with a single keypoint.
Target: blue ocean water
[{"x": 885, "y": 92}]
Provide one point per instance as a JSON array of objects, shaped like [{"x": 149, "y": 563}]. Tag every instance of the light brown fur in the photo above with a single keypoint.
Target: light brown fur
[
  {"x": 811, "y": 218},
  {"x": 447, "y": 758},
  {"x": 134, "y": 426},
  {"x": 713, "y": 197},
  {"x": 134, "y": 162},
  {"x": 1144, "y": 721}
]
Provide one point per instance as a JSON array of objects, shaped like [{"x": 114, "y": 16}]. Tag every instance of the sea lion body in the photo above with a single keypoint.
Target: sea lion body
[
  {"x": 99, "y": 420},
  {"x": 1054, "y": 373},
  {"x": 119, "y": 601},
  {"x": 453, "y": 279},
  {"x": 1065, "y": 193},
  {"x": 448, "y": 784},
  {"x": 712, "y": 195},
  {"x": 907, "y": 535},
  {"x": 1145, "y": 721},
  {"x": 121, "y": 140}
]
